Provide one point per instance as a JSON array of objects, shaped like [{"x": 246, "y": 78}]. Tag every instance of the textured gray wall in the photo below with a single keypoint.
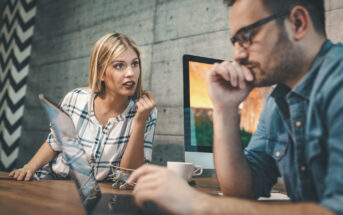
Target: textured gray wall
[
  {"x": 66, "y": 30},
  {"x": 334, "y": 17}
]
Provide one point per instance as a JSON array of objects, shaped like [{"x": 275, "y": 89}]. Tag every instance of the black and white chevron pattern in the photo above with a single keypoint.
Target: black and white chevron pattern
[{"x": 15, "y": 49}]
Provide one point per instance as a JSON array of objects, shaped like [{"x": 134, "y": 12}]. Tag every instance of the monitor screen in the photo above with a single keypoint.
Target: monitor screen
[{"x": 198, "y": 121}]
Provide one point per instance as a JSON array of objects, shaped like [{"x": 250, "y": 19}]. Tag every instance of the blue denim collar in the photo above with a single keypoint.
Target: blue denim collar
[{"x": 280, "y": 91}]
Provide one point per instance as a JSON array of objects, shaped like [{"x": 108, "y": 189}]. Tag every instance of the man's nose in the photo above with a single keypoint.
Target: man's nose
[{"x": 239, "y": 53}]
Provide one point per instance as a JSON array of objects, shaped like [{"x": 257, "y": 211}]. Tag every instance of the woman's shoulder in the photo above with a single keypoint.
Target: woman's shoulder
[{"x": 77, "y": 96}]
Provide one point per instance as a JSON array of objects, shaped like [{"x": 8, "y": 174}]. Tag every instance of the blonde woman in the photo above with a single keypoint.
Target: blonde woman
[{"x": 115, "y": 119}]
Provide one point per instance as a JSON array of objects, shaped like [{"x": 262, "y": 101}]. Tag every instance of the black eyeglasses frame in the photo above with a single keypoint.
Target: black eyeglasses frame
[{"x": 259, "y": 23}]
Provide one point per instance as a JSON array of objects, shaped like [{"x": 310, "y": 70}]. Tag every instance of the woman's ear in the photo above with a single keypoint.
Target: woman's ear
[
  {"x": 300, "y": 22},
  {"x": 102, "y": 78}
]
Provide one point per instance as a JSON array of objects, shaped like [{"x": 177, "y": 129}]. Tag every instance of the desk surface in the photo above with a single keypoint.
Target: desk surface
[{"x": 60, "y": 196}]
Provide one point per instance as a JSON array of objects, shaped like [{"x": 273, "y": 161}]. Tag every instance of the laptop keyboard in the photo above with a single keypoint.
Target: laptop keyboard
[{"x": 124, "y": 204}]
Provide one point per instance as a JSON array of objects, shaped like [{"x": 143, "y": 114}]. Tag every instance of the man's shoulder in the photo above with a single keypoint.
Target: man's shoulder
[
  {"x": 328, "y": 85},
  {"x": 334, "y": 55},
  {"x": 331, "y": 70},
  {"x": 337, "y": 48}
]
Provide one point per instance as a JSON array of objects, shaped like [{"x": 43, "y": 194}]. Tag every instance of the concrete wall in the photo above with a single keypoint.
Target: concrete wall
[
  {"x": 334, "y": 17},
  {"x": 66, "y": 30}
]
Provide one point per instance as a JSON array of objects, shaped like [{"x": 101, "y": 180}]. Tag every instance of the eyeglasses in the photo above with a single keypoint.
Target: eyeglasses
[{"x": 243, "y": 36}]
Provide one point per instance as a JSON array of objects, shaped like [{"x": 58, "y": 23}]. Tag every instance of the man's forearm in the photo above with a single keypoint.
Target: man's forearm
[{"x": 232, "y": 168}]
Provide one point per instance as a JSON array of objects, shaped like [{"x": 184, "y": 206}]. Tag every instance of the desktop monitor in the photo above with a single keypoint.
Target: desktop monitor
[
  {"x": 198, "y": 129},
  {"x": 198, "y": 123}
]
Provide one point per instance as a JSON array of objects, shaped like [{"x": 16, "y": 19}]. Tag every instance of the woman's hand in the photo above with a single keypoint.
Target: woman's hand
[
  {"x": 44, "y": 155},
  {"x": 144, "y": 107},
  {"x": 25, "y": 173}
]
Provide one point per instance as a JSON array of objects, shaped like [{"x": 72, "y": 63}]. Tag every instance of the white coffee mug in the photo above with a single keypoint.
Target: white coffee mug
[{"x": 185, "y": 170}]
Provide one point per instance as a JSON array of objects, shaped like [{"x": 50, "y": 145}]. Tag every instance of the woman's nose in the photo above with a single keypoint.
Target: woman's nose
[{"x": 129, "y": 71}]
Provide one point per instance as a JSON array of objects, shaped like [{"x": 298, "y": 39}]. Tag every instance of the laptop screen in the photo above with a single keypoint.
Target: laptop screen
[{"x": 74, "y": 154}]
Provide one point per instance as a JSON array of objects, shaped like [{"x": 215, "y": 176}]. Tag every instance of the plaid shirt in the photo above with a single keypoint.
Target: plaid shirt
[{"x": 104, "y": 146}]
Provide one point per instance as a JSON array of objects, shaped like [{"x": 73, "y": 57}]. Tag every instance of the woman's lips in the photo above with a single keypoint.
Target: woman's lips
[{"x": 129, "y": 85}]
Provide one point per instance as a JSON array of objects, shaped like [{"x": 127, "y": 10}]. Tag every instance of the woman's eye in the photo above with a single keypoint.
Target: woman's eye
[
  {"x": 118, "y": 66},
  {"x": 135, "y": 64}
]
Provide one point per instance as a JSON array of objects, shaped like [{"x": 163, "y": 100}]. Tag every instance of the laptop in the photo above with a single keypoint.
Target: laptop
[{"x": 93, "y": 201}]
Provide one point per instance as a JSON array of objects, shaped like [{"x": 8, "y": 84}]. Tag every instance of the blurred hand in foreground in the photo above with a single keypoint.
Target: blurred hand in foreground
[{"x": 163, "y": 187}]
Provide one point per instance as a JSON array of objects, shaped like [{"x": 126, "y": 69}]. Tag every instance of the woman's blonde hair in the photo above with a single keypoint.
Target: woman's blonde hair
[{"x": 106, "y": 49}]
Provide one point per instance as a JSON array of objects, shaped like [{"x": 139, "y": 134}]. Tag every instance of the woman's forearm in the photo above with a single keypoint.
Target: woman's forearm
[
  {"x": 134, "y": 153},
  {"x": 43, "y": 156}
]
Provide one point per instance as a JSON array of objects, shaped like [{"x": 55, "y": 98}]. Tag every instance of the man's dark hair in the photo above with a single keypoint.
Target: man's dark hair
[{"x": 315, "y": 9}]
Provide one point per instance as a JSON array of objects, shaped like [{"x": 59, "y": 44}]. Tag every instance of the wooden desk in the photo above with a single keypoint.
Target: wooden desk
[{"x": 60, "y": 196}]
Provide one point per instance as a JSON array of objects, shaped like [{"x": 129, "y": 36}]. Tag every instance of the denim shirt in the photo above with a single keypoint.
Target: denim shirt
[{"x": 300, "y": 136}]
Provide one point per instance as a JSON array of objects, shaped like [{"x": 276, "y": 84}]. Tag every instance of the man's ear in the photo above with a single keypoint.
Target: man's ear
[{"x": 300, "y": 22}]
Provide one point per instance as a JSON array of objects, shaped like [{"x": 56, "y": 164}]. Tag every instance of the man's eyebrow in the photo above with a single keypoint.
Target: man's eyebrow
[
  {"x": 239, "y": 30},
  {"x": 244, "y": 28}
]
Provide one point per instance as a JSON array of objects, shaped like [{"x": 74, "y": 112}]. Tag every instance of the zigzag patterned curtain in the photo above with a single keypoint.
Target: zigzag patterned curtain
[{"x": 15, "y": 49}]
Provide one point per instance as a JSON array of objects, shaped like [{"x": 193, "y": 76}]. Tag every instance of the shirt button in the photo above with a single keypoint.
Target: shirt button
[
  {"x": 298, "y": 124},
  {"x": 277, "y": 154},
  {"x": 303, "y": 168}
]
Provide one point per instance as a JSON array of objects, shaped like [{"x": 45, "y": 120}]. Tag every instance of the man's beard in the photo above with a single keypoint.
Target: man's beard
[{"x": 284, "y": 61}]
